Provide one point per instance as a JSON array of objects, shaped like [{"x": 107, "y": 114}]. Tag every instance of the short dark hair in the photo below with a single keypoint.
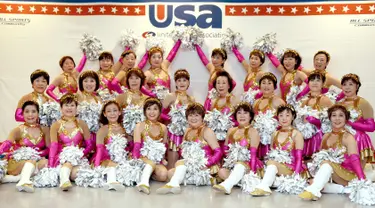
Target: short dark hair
[
  {"x": 337, "y": 107},
  {"x": 286, "y": 107},
  {"x": 30, "y": 102},
  {"x": 222, "y": 52},
  {"x": 150, "y": 102},
  {"x": 87, "y": 74},
  {"x": 354, "y": 78},
  {"x": 227, "y": 75},
  {"x": 139, "y": 73},
  {"x": 104, "y": 120},
  {"x": 39, "y": 73},
  {"x": 247, "y": 108},
  {"x": 291, "y": 54},
  {"x": 195, "y": 108},
  {"x": 68, "y": 98},
  {"x": 64, "y": 58},
  {"x": 317, "y": 75}
]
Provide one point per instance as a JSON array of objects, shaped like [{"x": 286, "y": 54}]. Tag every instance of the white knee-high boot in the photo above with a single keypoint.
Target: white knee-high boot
[
  {"x": 11, "y": 179},
  {"x": 268, "y": 179},
  {"x": 332, "y": 188},
  {"x": 320, "y": 180},
  {"x": 235, "y": 176},
  {"x": 25, "y": 184},
  {"x": 65, "y": 183},
  {"x": 112, "y": 183},
  {"x": 144, "y": 184},
  {"x": 174, "y": 184}
]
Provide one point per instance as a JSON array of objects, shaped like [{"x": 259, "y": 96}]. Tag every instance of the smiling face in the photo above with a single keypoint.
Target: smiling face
[
  {"x": 289, "y": 63},
  {"x": 182, "y": 84},
  {"x": 68, "y": 65},
  {"x": 156, "y": 60},
  {"x": 217, "y": 60},
  {"x": 316, "y": 85},
  {"x": 222, "y": 85},
  {"x": 349, "y": 87},
  {"x": 69, "y": 109},
  {"x": 320, "y": 62},
  {"x": 112, "y": 113},
  {"x": 266, "y": 86},
  {"x": 105, "y": 64},
  {"x": 134, "y": 82},
  {"x": 153, "y": 112},
  {"x": 195, "y": 120},
  {"x": 89, "y": 84},
  {"x": 40, "y": 84},
  {"x": 243, "y": 117},
  {"x": 255, "y": 61},
  {"x": 285, "y": 118},
  {"x": 129, "y": 61},
  {"x": 338, "y": 119},
  {"x": 30, "y": 114}
]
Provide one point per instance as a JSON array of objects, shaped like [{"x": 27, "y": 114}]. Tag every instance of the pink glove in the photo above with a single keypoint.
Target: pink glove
[
  {"x": 50, "y": 92},
  {"x": 298, "y": 161},
  {"x": 89, "y": 146},
  {"x": 19, "y": 116},
  {"x": 340, "y": 96},
  {"x": 367, "y": 125},
  {"x": 304, "y": 92},
  {"x": 99, "y": 154},
  {"x": 314, "y": 121},
  {"x": 355, "y": 161},
  {"x": 234, "y": 83},
  {"x": 238, "y": 54},
  {"x": 5, "y": 146},
  {"x": 273, "y": 59},
  {"x": 121, "y": 59},
  {"x": 143, "y": 61},
  {"x": 147, "y": 92},
  {"x": 52, "y": 159},
  {"x": 165, "y": 117},
  {"x": 115, "y": 85},
  {"x": 174, "y": 50},
  {"x": 44, "y": 153},
  {"x": 81, "y": 63},
  {"x": 130, "y": 146},
  {"x": 215, "y": 158},
  {"x": 225, "y": 150},
  {"x": 259, "y": 95},
  {"x": 137, "y": 150},
  {"x": 207, "y": 104},
  {"x": 201, "y": 55},
  {"x": 253, "y": 159},
  {"x": 300, "y": 68}
]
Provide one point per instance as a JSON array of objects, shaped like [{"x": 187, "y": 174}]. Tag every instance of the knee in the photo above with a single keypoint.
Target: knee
[
  {"x": 73, "y": 174},
  {"x": 42, "y": 164},
  {"x": 162, "y": 174},
  {"x": 223, "y": 173},
  {"x": 31, "y": 161},
  {"x": 68, "y": 165}
]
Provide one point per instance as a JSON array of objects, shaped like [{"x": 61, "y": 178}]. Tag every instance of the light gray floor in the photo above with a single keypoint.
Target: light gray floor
[{"x": 191, "y": 196}]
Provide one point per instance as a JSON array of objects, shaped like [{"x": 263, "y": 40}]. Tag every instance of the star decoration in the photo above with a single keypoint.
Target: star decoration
[
  {"x": 55, "y": 9},
  {"x": 332, "y": 9},
  {"x": 372, "y": 8},
  {"x": 32, "y": 9},
  {"x": 281, "y": 10},
  {"x": 232, "y": 10},
  {"x": 294, "y": 10},
  {"x": 9, "y": 8},
  {"x": 358, "y": 9},
  {"x": 79, "y": 10},
  {"x": 256, "y": 10},
  {"x": 244, "y": 10},
  {"x": 137, "y": 10},
  {"x": 20, "y": 8},
  {"x": 269, "y": 10},
  {"x": 125, "y": 10},
  {"x": 319, "y": 9},
  {"x": 102, "y": 10},
  {"x": 44, "y": 9},
  {"x": 114, "y": 10},
  {"x": 67, "y": 10},
  {"x": 91, "y": 10},
  {"x": 345, "y": 9},
  {"x": 306, "y": 10}
]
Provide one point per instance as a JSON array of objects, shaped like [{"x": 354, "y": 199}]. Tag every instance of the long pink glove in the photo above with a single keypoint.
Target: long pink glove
[
  {"x": 165, "y": 117},
  {"x": 215, "y": 158},
  {"x": 201, "y": 55},
  {"x": 18, "y": 115},
  {"x": 355, "y": 161},
  {"x": 253, "y": 159},
  {"x": 81, "y": 63},
  {"x": 99, "y": 154},
  {"x": 174, "y": 50},
  {"x": 121, "y": 59},
  {"x": 298, "y": 168},
  {"x": 50, "y": 92},
  {"x": 273, "y": 59},
  {"x": 367, "y": 125},
  {"x": 143, "y": 61},
  {"x": 44, "y": 153},
  {"x": 225, "y": 150},
  {"x": 89, "y": 143},
  {"x": 137, "y": 150},
  {"x": 340, "y": 96},
  {"x": 52, "y": 159},
  {"x": 238, "y": 54},
  {"x": 316, "y": 122},
  {"x": 234, "y": 83},
  {"x": 5, "y": 146},
  {"x": 130, "y": 146},
  {"x": 304, "y": 92},
  {"x": 115, "y": 86},
  {"x": 147, "y": 92}
]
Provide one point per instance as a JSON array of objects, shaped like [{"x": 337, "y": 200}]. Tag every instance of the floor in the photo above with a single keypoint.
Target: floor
[{"x": 191, "y": 196}]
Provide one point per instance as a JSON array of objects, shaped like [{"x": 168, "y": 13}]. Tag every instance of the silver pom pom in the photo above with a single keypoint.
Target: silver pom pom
[
  {"x": 332, "y": 94},
  {"x": 291, "y": 184},
  {"x": 231, "y": 39},
  {"x": 266, "y": 124},
  {"x": 178, "y": 123},
  {"x": 307, "y": 129},
  {"x": 291, "y": 97},
  {"x": 72, "y": 155},
  {"x": 362, "y": 192},
  {"x": 129, "y": 39},
  {"x": 236, "y": 153},
  {"x": 49, "y": 113},
  {"x": 132, "y": 114},
  {"x": 266, "y": 43},
  {"x": 87, "y": 177},
  {"x": 249, "y": 182},
  {"x": 47, "y": 177},
  {"x": 213, "y": 94},
  {"x": 192, "y": 36},
  {"x": 26, "y": 153},
  {"x": 129, "y": 172},
  {"x": 3, "y": 169},
  {"x": 153, "y": 150},
  {"x": 178, "y": 33},
  {"x": 326, "y": 123},
  {"x": 280, "y": 156},
  {"x": 161, "y": 92},
  {"x": 332, "y": 155},
  {"x": 354, "y": 114},
  {"x": 116, "y": 148},
  {"x": 249, "y": 96},
  {"x": 91, "y": 45},
  {"x": 219, "y": 123},
  {"x": 90, "y": 113},
  {"x": 155, "y": 42},
  {"x": 106, "y": 95}
]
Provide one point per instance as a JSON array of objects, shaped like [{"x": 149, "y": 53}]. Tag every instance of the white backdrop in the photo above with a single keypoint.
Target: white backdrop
[{"x": 43, "y": 41}]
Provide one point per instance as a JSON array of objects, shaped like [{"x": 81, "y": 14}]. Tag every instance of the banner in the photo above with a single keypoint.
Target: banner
[{"x": 36, "y": 34}]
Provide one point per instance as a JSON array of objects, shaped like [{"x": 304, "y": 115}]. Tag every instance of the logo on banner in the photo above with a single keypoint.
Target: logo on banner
[
  {"x": 209, "y": 16},
  {"x": 14, "y": 21},
  {"x": 148, "y": 34},
  {"x": 365, "y": 22}
]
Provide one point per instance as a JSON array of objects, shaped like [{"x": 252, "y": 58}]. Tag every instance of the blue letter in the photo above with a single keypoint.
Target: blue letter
[
  {"x": 215, "y": 16},
  {"x": 167, "y": 22}
]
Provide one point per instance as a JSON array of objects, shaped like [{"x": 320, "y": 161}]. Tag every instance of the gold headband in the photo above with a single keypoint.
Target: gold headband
[
  {"x": 127, "y": 52},
  {"x": 316, "y": 72},
  {"x": 291, "y": 51},
  {"x": 351, "y": 76},
  {"x": 110, "y": 102},
  {"x": 155, "y": 50},
  {"x": 195, "y": 104},
  {"x": 88, "y": 72},
  {"x": 243, "y": 103},
  {"x": 270, "y": 75},
  {"x": 257, "y": 51},
  {"x": 325, "y": 53},
  {"x": 290, "y": 107},
  {"x": 221, "y": 51},
  {"x": 151, "y": 99},
  {"x": 37, "y": 71},
  {"x": 69, "y": 95},
  {"x": 182, "y": 72}
]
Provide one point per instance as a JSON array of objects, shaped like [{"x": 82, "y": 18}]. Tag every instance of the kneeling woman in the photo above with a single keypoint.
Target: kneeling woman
[
  {"x": 286, "y": 141},
  {"x": 242, "y": 138},
  {"x": 27, "y": 135},
  {"x": 200, "y": 152},
  {"x": 150, "y": 144}
]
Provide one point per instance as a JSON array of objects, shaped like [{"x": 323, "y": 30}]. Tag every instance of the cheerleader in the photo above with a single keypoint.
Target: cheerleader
[
  {"x": 244, "y": 137},
  {"x": 205, "y": 140},
  {"x": 66, "y": 132},
  {"x": 27, "y": 135},
  {"x": 39, "y": 81},
  {"x": 178, "y": 102},
  {"x": 361, "y": 117},
  {"x": 106, "y": 76},
  {"x": 290, "y": 62},
  {"x": 111, "y": 119},
  {"x": 265, "y": 107},
  {"x": 67, "y": 81},
  {"x": 343, "y": 144},
  {"x": 289, "y": 143},
  {"x": 150, "y": 142}
]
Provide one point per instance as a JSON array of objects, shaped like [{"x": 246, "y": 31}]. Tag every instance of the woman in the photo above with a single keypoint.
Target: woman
[
  {"x": 205, "y": 138},
  {"x": 68, "y": 132},
  {"x": 67, "y": 81},
  {"x": 343, "y": 143},
  {"x": 151, "y": 134},
  {"x": 27, "y": 135},
  {"x": 242, "y": 137},
  {"x": 361, "y": 116},
  {"x": 177, "y": 101},
  {"x": 39, "y": 81},
  {"x": 289, "y": 141},
  {"x": 106, "y": 76}
]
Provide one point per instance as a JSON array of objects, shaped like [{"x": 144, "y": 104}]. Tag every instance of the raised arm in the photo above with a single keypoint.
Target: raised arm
[
  {"x": 56, "y": 82},
  {"x": 210, "y": 67},
  {"x": 171, "y": 55},
  {"x": 276, "y": 63},
  {"x": 81, "y": 65},
  {"x": 241, "y": 59}
]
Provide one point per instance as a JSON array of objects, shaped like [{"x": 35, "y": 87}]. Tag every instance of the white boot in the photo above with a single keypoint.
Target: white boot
[
  {"x": 320, "y": 180},
  {"x": 332, "y": 188},
  {"x": 25, "y": 184},
  {"x": 65, "y": 183},
  {"x": 263, "y": 189},
  {"x": 112, "y": 183},
  {"x": 144, "y": 184},
  {"x": 11, "y": 179},
  {"x": 235, "y": 176},
  {"x": 174, "y": 185}
]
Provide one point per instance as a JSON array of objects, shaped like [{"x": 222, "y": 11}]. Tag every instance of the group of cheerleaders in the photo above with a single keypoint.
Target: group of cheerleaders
[{"x": 132, "y": 88}]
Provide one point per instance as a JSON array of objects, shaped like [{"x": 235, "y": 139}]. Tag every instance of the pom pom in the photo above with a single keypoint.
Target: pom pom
[
  {"x": 291, "y": 97},
  {"x": 87, "y": 177},
  {"x": 354, "y": 115},
  {"x": 155, "y": 42},
  {"x": 116, "y": 148},
  {"x": 307, "y": 129},
  {"x": 47, "y": 177},
  {"x": 72, "y": 155},
  {"x": 291, "y": 184},
  {"x": 332, "y": 155},
  {"x": 362, "y": 192},
  {"x": 189, "y": 36},
  {"x": 249, "y": 182},
  {"x": 161, "y": 92},
  {"x": 90, "y": 113},
  {"x": 153, "y": 150},
  {"x": 3, "y": 169},
  {"x": 231, "y": 39},
  {"x": 49, "y": 113},
  {"x": 106, "y": 95},
  {"x": 266, "y": 124},
  {"x": 129, "y": 172},
  {"x": 178, "y": 33},
  {"x": 219, "y": 123},
  {"x": 249, "y": 96},
  {"x": 280, "y": 156},
  {"x": 213, "y": 94},
  {"x": 266, "y": 43},
  {"x": 26, "y": 153},
  {"x": 91, "y": 46},
  {"x": 133, "y": 114},
  {"x": 332, "y": 94},
  {"x": 236, "y": 153},
  {"x": 178, "y": 120},
  {"x": 129, "y": 39}
]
